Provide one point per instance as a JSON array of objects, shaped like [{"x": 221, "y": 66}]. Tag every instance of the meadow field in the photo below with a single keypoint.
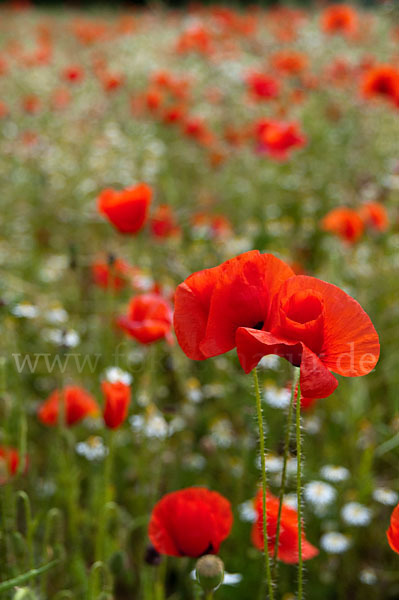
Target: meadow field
[{"x": 190, "y": 201}]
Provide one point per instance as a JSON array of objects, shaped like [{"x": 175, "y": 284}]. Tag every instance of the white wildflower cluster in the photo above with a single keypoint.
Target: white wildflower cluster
[{"x": 92, "y": 449}]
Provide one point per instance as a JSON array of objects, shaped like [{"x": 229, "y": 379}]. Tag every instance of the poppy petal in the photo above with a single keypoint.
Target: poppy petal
[
  {"x": 242, "y": 298},
  {"x": 351, "y": 345},
  {"x": 192, "y": 300}
]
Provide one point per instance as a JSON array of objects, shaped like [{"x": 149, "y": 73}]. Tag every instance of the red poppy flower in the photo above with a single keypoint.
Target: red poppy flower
[
  {"x": 112, "y": 81},
  {"x": 393, "y": 530},
  {"x": 196, "y": 128},
  {"x": 117, "y": 400},
  {"x": 289, "y": 62},
  {"x": 278, "y": 138},
  {"x": 288, "y": 538},
  {"x": 73, "y": 74},
  {"x": 115, "y": 276},
  {"x": 31, "y": 104},
  {"x": 9, "y": 463},
  {"x": 263, "y": 87},
  {"x": 195, "y": 39},
  {"x": 60, "y": 98},
  {"x": 213, "y": 226},
  {"x": 340, "y": 18},
  {"x": 3, "y": 110},
  {"x": 317, "y": 326},
  {"x": 212, "y": 304},
  {"x": 190, "y": 522},
  {"x": 78, "y": 404},
  {"x": 126, "y": 210},
  {"x": 163, "y": 222},
  {"x": 149, "y": 318},
  {"x": 374, "y": 215},
  {"x": 344, "y": 222},
  {"x": 381, "y": 81}
]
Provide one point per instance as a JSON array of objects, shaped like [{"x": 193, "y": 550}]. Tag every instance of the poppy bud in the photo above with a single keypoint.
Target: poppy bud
[{"x": 210, "y": 572}]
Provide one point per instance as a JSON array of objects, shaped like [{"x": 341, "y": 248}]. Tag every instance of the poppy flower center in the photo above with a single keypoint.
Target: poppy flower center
[
  {"x": 302, "y": 319},
  {"x": 303, "y": 307}
]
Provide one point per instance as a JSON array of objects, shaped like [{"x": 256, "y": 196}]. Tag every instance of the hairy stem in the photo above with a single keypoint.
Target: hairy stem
[{"x": 264, "y": 485}]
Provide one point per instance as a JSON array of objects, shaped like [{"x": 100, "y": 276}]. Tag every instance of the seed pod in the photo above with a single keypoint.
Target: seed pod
[{"x": 210, "y": 572}]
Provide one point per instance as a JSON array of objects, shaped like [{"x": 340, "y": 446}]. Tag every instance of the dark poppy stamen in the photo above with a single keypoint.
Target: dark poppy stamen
[{"x": 259, "y": 325}]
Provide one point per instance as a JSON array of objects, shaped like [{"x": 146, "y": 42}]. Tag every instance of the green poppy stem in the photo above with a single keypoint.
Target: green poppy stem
[
  {"x": 286, "y": 452},
  {"x": 298, "y": 492},
  {"x": 264, "y": 485}
]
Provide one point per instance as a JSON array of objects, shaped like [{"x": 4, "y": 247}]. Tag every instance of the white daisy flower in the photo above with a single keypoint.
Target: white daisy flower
[
  {"x": 385, "y": 496},
  {"x": 25, "y": 310},
  {"x": 356, "y": 514},
  {"x": 312, "y": 425},
  {"x": 247, "y": 511},
  {"x": 368, "y": 576},
  {"x": 153, "y": 426},
  {"x": 274, "y": 464},
  {"x": 271, "y": 362},
  {"x": 319, "y": 493},
  {"x": 291, "y": 500},
  {"x": 56, "y": 315},
  {"x": 334, "y": 473},
  {"x": 92, "y": 449},
  {"x": 115, "y": 375},
  {"x": 277, "y": 398},
  {"x": 334, "y": 542}
]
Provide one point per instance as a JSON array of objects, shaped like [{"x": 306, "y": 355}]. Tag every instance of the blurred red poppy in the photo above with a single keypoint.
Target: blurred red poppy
[
  {"x": 111, "y": 81},
  {"x": 60, "y": 98},
  {"x": 381, "y": 81},
  {"x": 289, "y": 62},
  {"x": 73, "y": 74},
  {"x": 340, "y": 18},
  {"x": 149, "y": 319},
  {"x": 393, "y": 530},
  {"x": 77, "y": 405},
  {"x": 374, "y": 215},
  {"x": 163, "y": 222},
  {"x": 317, "y": 326},
  {"x": 346, "y": 223},
  {"x": 9, "y": 463},
  {"x": 117, "y": 400},
  {"x": 279, "y": 138},
  {"x": 211, "y": 304},
  {"x": 31, "y": 104},
  {"x": 127, "y": 210},
  {"x": 190, "y": 522},
  {"x": 115, "y": 275},
  {"x": 288, "y": 538},
  {"x": 262, "y": 87}
]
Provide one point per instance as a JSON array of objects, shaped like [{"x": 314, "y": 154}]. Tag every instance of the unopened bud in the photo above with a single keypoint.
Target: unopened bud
[{"x": 210, "y": 572}]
